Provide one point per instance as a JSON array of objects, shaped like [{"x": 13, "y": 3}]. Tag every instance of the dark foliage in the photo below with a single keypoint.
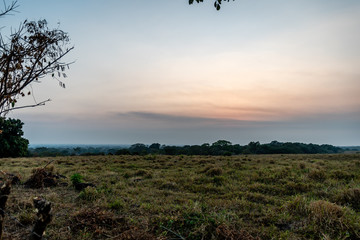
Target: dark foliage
[
  {"x": 218, "y": 148},
  {"x": 12, "y": 144},
  {"x": 217, "y": 3}
]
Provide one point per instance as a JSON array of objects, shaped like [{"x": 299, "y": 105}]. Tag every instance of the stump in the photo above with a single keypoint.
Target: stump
[
  {"x": 4, "y": 194},
  {"x": 44, "y": 218}
]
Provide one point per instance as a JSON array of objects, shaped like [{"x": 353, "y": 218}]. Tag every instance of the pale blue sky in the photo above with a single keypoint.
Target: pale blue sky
[{"x": 164, "y": 71}]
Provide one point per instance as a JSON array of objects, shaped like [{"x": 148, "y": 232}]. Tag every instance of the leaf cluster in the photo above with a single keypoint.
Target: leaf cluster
[
  {"x": 217, "y": 3},
  {"x": 31, "y": 52}
]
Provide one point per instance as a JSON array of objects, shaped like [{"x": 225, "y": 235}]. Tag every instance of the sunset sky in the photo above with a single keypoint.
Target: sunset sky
[{"x": 163, "y": 71}]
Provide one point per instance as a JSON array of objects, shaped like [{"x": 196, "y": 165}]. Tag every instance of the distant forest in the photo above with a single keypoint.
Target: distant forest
[{"x": 218, "y": 148}]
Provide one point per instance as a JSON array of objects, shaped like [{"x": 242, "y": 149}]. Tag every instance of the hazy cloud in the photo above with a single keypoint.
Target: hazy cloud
[{"x": 180, "y": 121}]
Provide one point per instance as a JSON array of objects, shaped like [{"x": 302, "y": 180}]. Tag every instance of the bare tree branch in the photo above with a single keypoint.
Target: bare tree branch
[
  {"x": 8, "y": 8},
  {"x": 33, "y": 51},
  {"x": 27, "y": 106}
]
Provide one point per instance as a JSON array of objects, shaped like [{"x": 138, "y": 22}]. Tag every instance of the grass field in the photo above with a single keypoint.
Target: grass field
[{"x": 194, "y": 197}]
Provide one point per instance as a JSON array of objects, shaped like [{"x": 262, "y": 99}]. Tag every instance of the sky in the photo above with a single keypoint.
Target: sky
[{"x": 168, "y": 72}]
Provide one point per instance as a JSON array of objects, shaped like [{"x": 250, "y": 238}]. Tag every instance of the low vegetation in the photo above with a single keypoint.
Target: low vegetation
[{"x": 190, "y": 197}]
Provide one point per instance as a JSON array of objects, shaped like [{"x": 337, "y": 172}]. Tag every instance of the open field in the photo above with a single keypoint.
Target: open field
[{"x": 194, "y": 197}]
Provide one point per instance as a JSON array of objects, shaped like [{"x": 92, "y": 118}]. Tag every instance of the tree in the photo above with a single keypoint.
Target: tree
[
  {"x": 138, "y": 149},
  {"x": 12, "y": 144},
  {"x": 30, "y": 53},
  {"x": 217, "y": 3},
  {"x": 221, "y": 143}
]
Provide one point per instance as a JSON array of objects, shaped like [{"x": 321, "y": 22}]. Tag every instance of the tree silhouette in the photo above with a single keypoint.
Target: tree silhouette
[{"x": 30, "y": 53}]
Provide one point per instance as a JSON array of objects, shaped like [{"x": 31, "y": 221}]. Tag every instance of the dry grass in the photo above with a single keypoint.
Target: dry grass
[{"x": 195, "y": 197}]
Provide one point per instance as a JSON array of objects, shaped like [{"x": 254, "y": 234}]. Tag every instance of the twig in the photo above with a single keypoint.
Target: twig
[
  {"x": 176, "y": 234},
  {"x": 27, "y": 106},
  {"x": 48, "y": 163}
]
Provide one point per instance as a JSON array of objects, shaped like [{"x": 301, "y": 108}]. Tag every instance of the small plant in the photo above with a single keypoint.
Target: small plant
[
  {"x": 117, "y": 204},
  {"x": 26, "y": 217},
  {"x": 76, "y": 178}
]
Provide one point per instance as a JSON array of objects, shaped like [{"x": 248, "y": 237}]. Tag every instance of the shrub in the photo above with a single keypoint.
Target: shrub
[{"x": 76, "y": 178}]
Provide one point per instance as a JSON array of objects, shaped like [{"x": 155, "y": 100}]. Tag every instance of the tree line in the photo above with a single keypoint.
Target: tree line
[
  {"x": 12, "y": 144},
  {"x": 226, "y": 148},
  {"x": 218, "y": 148}
]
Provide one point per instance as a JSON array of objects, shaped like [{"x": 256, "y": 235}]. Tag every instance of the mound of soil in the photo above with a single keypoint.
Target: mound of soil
[{"x": 42, "y": 178}]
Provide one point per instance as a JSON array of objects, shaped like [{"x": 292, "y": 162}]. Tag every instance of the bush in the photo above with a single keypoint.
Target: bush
[
  {"x": 76, "y": 178},
  {"x": 12, "y": 144}
]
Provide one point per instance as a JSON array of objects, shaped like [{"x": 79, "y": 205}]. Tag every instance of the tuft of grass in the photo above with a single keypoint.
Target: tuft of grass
[
  {"x": 336, "y": 221},
  {"x": 215, "y": 171},
  {"x": 143, "y": 173},
  {"x": 89, "y": 194},
  {"x": 297, "y": 206},
  {"x": 349, "y": 197},
  {"x": 342, "y": 175},
  {"x": 219, "y": 180},
  {"x": 302, "y": 165},
  {"x": 317, "y": 175},
  {"x": 118, "y": 204}
]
